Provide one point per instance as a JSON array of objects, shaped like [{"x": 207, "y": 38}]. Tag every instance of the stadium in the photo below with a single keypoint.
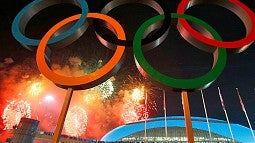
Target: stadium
[{"x": 155, "y": 131}]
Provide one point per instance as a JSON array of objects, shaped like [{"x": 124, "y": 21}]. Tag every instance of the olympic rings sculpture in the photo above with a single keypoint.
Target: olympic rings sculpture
[
  {"x": 220, "y": 58},
  {"x": 21, "y": 20},
  {"x": 92, "y": 79},
  {"x": 143, "y": 41},
  {"x": 241, "y": 10},
  {"x": 148, "y": 43}
]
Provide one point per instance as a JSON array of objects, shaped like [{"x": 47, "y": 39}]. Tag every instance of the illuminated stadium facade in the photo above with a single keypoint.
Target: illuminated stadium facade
[{"x": 155, "y": 131}]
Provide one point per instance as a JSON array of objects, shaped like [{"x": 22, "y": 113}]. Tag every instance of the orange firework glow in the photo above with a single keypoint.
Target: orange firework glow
[
  {"x": 133, "y": 110},
  {"x": 90, "y": 98},
  {"x": 35, "y": 88},
  {"x": 103, "y": 106},
  {"x": 76, "y": 121},
  {"x": 138, "y": 94},
  {"x": 14, "y": 111}
]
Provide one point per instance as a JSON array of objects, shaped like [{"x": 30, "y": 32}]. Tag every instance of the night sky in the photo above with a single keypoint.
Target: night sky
[{"x": 174, "y": 57}]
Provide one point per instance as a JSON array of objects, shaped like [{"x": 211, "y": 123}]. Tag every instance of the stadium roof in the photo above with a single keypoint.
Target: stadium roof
[{"x": 220, "y": 127}]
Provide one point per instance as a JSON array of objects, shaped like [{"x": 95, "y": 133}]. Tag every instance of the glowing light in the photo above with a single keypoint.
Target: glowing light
[
  {"x": 35, "y": 88},
  {"x": 14, "y": 111},
  {"x": 76, "y": 121},
  {"x": 138, "y": 94},
  {"x": 49, "y": 98}
]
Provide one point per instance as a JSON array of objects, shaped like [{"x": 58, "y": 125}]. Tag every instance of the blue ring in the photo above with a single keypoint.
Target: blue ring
[{"x": 35, "y": 42}]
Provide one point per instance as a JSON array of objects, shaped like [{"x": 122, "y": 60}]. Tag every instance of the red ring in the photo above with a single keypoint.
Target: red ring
[{"x": 233, "y": 44}]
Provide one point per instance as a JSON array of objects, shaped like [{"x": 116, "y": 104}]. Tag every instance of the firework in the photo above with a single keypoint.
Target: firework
[
  {"x": 76, "y": 121},
  {"x": 44, "y": 96},
  {"x": 133, "y": 112},
  {"x": 35, "y": 89},
  {"x": 106, "y": 88},
  {"x": 138, "y": 94},
  {"x": 98, "y": 93},
  {"x": 134, "y": 109},
  {"x": 90, "y": 98},
  {"x": 142, "y": 112},
  {"x": 14, "y": 111},
  {"x": 138, "y": 84},
  {"x": 129, "y": 113}
]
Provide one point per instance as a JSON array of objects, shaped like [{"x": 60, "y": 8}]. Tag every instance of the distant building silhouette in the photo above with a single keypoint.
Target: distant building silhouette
[{"x": 25, "y": 132}]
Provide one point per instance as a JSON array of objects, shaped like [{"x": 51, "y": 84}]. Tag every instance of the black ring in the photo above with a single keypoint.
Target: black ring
[{"x": 160, "y": 28}]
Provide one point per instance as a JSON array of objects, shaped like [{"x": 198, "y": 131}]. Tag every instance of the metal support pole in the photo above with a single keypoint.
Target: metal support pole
[
  {"x": 206, "y": 115},
  {"x": 226, "y": 114},
  {"x": 145, "y": 121},
  {"x": 186, "y": 110},
  {"x": 246, "y": 115},
  {"x": 62, "y": 116},
  {"x": 164, "y": 100}
]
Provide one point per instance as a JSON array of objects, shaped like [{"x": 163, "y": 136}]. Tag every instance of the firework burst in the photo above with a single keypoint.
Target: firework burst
[
  {"x": 90, "y": 98},
  {"x": 138, "y": 94},
  {"x": 76, "y": 121},
  {"x": 35, "y": 88},
  {"x": 14, "y": 111},
  {"x": 133, "y": 112},
  {"x": 106, "y": 88},
  {"x": 142, "y": 112},
  {"x": 129, "y": 113}
]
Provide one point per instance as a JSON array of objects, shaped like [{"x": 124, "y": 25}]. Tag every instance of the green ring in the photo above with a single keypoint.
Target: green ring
[{"x": 178, "y": 84}]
